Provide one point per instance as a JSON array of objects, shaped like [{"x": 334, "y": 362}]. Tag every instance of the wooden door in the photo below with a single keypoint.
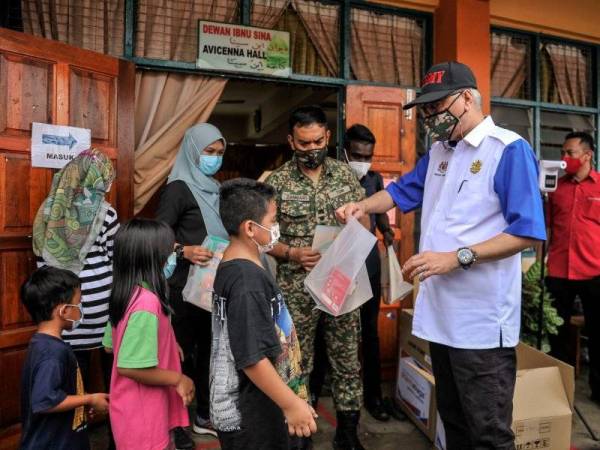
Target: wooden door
[
  {"x": 47, "y": 81},
  {"x": 380, "y": 109}
]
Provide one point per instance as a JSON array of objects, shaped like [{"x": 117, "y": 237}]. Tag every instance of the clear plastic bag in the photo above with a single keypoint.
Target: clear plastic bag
[
  {"x": 199, "y": 286},
  {"x": 392, "y": 280},
  {"x": 339, "y": 283}
]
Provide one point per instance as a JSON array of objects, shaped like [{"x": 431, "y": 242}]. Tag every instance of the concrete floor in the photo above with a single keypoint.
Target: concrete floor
[{"x": 396, "y": 435}]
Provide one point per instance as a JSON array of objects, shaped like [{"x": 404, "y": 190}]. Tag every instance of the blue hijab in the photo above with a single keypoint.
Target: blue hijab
[{"x": 204, "y": 188}]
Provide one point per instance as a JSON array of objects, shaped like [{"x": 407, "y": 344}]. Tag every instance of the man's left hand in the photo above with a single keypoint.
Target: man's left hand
[{"x": 427, "y": 264}]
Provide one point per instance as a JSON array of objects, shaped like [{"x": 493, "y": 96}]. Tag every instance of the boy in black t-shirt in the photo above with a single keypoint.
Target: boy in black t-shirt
[
  {"x": 52, "y": 396},
  {"x": 255, "y": 376}
]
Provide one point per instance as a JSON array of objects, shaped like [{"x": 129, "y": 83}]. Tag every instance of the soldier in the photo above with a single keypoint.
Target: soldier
[{"x": 309, "y": 189}]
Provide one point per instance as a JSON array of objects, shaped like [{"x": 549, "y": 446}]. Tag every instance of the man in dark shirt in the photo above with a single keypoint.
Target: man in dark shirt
[{"x": 359, "y": 145}]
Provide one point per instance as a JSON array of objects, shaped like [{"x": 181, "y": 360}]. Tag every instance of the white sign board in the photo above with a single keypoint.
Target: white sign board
[
  {"x": 53, "y": 146},
  {"x": 236, "y": 48}
]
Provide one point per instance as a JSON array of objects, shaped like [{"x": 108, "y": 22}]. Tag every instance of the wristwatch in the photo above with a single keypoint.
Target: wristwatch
[
  {"x": 466, "y": 257},
  {"x": 179, "y": 251}
]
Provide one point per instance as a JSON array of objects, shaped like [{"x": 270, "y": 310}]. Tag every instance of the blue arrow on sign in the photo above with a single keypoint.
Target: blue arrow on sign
[{"x": 59, "y": 140}]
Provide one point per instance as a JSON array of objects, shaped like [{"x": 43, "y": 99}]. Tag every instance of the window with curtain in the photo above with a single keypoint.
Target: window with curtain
[
  {"x": 313, "y": 28},
  {"x": 519, "y": 120},
  {"x": 511, "y": 66},
  {"x": 96, "y": 25},
  {"x": 566, "y": 74},
  {"x": 169, "y": 29},
  {"x": 386, "y": 48},
  {"x": 556, "y": 125}
]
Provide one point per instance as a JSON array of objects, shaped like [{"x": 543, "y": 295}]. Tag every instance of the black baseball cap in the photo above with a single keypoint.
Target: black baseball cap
[{"x": 442, "y": 80}]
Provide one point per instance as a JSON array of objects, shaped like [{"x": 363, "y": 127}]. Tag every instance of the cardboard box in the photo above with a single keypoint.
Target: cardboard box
[
  {"x": 411, "y": 345},
  {"x": 542, "y": 402},
  {"x": 415, "y": 394}
]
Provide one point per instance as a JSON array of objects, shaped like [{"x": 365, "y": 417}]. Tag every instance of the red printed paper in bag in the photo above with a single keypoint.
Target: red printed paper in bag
[{"x": 336, "y": 290}]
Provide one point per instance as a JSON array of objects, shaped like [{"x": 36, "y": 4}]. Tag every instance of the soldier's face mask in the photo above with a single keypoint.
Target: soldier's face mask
[
  {"x": 311, "y": 159},
  {"x": 441, "y": 125}
]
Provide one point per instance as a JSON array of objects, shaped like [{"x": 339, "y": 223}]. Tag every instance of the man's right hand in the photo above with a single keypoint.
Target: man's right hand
[
  {"x": 344, "y": 212},
  {"x": 305, "y": 256},
  {"x": 300, "y": 418},
  {"x": 197, "y": 254}
]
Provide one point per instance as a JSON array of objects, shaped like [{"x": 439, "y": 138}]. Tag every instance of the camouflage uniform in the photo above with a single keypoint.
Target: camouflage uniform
[{"x": 301, "y": 206}]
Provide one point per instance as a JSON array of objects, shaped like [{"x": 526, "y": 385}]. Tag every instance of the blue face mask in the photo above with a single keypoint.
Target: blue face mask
[
  {"x": 210, "y": 164},
  {"x": 170, "y": 265}
]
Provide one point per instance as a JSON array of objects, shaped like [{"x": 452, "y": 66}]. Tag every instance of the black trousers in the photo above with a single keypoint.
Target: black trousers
[
  {"x": 192, "y": 326},
  {"x": 564, "y": 292},
  {"x": 371, "y": 361},
  {"x": 474, "y": 393}
]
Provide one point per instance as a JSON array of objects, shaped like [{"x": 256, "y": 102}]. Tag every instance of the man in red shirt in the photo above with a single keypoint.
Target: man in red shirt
[{"x": 573, "y": 216}]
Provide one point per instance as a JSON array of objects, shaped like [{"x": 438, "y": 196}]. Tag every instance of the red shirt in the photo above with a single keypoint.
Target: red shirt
[{"x": 573, "y": 216}]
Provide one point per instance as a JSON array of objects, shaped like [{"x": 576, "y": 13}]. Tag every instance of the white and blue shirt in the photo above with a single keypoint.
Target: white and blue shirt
[{"x": 486, "y": 185}]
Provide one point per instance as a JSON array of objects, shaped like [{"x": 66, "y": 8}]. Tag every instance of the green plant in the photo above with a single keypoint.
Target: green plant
[{"x": 530, "y": 310}]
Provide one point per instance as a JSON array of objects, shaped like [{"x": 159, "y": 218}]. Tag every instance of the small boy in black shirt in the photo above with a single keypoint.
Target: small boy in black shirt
[
  {"x": 258, "y": 398},
  {"x": 52, "y": 397}
]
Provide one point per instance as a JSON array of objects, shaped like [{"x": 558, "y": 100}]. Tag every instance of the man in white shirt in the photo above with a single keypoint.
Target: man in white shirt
[{"x": 477, "y": 187}]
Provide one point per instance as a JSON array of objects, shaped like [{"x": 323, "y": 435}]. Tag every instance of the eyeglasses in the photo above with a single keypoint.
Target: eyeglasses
[{"x": 429, "y": 109}]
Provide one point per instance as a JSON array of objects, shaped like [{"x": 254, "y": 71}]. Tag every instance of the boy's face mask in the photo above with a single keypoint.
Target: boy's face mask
[
  {"x": 275, "y": 235},
  {"x": 74, "y": 322}
]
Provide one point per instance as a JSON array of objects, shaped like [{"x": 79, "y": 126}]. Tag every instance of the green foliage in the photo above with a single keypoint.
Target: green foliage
[{"x": 530, "y": 310}]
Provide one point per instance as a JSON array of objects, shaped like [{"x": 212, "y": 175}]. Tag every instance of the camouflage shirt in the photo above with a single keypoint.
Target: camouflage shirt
[{"x": 302, "y": 205}]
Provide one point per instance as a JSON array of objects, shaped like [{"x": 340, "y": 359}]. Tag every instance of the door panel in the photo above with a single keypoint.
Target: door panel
[
  {"x": 380, "y": 109},
  {"x": 29, "y": 98},
  {"x": 50, "y": 82}
]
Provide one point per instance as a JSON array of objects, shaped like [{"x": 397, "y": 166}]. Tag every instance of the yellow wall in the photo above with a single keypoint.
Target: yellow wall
[{"x": 575, "y": 19}]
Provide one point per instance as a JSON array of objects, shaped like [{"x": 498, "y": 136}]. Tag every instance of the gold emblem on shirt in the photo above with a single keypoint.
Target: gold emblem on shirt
[{"x": 476, "y": 166}]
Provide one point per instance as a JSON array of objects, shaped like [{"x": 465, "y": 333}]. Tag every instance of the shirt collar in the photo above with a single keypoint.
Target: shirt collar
[
  {"x": 477, "y": 134},
  {"x": 595, "y": 176}
]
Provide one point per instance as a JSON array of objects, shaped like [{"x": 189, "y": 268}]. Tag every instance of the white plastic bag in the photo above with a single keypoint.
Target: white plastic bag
[
  {"x": 339, "y": 283},
  {"x": 199, "y": 286},
  {"x": 398, "y": 288}
]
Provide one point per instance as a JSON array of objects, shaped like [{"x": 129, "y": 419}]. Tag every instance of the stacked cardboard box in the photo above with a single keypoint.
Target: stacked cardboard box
[{"x": 542, "y": 403}]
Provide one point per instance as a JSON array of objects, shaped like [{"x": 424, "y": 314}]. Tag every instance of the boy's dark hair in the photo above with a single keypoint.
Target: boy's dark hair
[
  {"x": 243, "y": 199},
  {"x": 585, "y": 138},
  {"x": 46, "y": 288},
  {"x": 307, "y": 115},
  {"x": 141, "y": 249},
  {"x": 358, "y": 133}
]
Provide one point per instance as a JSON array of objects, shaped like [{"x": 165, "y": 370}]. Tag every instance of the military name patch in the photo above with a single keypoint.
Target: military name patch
[
  {"x": 288, "y": 196},
  {"x": 340, "y": 191}
]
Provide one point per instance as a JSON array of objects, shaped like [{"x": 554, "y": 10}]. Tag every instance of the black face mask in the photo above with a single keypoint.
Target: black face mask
[{"x": 311, "y": 159}]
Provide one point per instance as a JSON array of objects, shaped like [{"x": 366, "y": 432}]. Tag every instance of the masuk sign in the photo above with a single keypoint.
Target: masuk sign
[{"x": 238, "y": 48}]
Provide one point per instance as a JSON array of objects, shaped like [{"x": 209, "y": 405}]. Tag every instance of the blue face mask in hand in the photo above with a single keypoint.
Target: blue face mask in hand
[
  {"x": 170, "y": 265},
  {"x": 210, "y": 164}
]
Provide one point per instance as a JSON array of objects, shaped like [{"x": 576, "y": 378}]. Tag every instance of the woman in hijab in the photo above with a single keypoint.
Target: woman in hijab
[
  {"x": 189, "y": 203},
  {"x": 74, "y": 229}
]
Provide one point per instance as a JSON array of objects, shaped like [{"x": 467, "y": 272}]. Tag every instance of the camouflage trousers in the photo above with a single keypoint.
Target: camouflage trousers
[{"x": 342, "y": 336}]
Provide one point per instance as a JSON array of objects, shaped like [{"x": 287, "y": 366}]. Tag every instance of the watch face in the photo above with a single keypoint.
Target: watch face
[{"x": 465, "y": 256}]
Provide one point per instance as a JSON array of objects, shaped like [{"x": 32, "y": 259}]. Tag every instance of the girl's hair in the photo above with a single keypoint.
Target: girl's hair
[{"x": 142, "y": 247}]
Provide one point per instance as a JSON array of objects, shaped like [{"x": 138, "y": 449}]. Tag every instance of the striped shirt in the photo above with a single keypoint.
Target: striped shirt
[{"x": 96, "y": 282}]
